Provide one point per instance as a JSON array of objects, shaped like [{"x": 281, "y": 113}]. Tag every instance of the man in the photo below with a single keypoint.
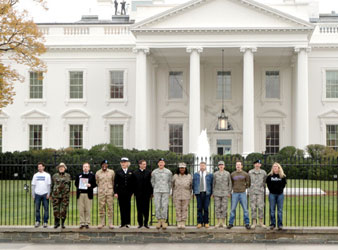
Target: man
[
  {"x": 85, "y": 182},
  {"x": 240, "y": 182},
  {"x": 41, "y": 183},
  {"x": 116, "y": 4},
  {"x": 143, "y": 192},
  {"x": 202, "y": 189},
  {"x": 256, "y": 192},
  {"x": 123, "y": 7},
  {"x": 105, "y": 183},
  {"x": 161, "y": 182},
  {"x": 124, "y": 190}
]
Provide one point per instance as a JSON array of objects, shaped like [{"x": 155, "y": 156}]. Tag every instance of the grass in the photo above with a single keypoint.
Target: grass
[{"x": 17, "y": 207}]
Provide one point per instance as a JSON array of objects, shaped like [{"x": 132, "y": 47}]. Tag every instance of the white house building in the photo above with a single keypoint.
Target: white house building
[{"x": 155, "y": 79}]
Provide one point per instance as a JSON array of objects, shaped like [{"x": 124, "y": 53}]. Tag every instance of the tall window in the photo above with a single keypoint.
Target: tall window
[
  {"x": 76, "y": 84},
  {"x": 116, "y": 135},
  {"x": 35, "y": 85},
  {"x": 226, "y": 84},
  {"x": 272, "y": 139},
  {"x": 223, "y": 147},
  {"x": 176, "y": 138},
  {"x": 116, "y": 84},
  {"x": 0, "y": 138},
  {"x": 35, "y": 137},
  {"x": 76, "y": 136},
  {"x": 175, "y": 85},
  {"x": 331, "y": 84},
  {"x": 332, "y": 136},
  {"x": 272, "y": 85}
]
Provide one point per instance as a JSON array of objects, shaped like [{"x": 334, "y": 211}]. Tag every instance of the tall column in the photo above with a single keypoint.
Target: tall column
[
  {"x": 301, "y": 133},
  {"x": 248, "y": 100},
  {"x": 195, "y": 98},
  {"x": 141, "y": 113}
]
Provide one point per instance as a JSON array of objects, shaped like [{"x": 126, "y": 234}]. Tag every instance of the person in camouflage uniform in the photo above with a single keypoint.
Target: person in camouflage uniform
[
  {"x": 256, "y": 193},
  {"x": 105, "y": 183},
  {"x": 161, "y": 182},
  {"x": 222, "y": 187},
  {"x": 61, "y": 183}
]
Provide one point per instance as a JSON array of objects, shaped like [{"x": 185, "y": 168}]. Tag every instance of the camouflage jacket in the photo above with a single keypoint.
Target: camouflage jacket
[
  {"x": 257, "y": 179},
  {"x": 161, "y": 180},
  {"x": 61, "y": 185},
  {"x": 222, "y": 185},
  {"x": 105, "y": 181}
]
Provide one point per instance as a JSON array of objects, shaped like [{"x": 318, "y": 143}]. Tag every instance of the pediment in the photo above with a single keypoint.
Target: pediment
[
  {"x": 330, "y": 114},
  {"x": 174, "y": 114},
  {"x": 116, "y": 114},
  {"x": 75, "y": 113},
  {"x": 272, "y": 114},
  {"x": 35, "y": 114},
  {"x": 3, "y": 115},
  {"x": 222, "y": 15}
]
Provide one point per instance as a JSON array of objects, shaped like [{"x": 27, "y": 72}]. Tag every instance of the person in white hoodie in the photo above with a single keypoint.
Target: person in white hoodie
[{"x": 41, "y": 183}]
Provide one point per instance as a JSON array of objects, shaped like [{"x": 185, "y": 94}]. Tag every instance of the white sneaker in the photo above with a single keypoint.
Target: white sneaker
[{"x": 37, "y": 224}]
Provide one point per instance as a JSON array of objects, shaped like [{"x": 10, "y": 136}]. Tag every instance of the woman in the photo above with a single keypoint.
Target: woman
[
  {"x": 61, "y": 182},
  {"x": 276, "y": 182},
  {"x": 221, "y": 190},
  {"x": 182, "y": 187}
]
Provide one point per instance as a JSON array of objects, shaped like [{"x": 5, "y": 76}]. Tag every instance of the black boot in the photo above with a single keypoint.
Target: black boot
[
  {"x": 57, "y": 223},
  {"x": 63, "y": 223}
]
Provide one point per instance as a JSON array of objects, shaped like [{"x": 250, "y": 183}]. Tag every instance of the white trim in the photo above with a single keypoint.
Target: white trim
[
  {"x": 264, "y": 99},
  {"x": 324, "y": 98},
  {"x": 184, "y": 98},
  {"x": 42, "y": 100},
  {"x": 327, "y": 118},
  {"x": 83, "y": 100},
  {"x": 214, "y": 77},
  {"x": 124, "y": 123},
  {"x": 123, "y": 100},
  {"x": 3, "y": 121}
]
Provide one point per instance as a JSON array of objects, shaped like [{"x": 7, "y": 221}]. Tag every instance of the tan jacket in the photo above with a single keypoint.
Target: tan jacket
[
  {"x": 182, "y": 187},
  {"x": 105, "y": 181}
]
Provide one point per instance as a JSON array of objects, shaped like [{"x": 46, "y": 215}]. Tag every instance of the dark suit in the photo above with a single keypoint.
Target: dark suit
[
  {"x": 123, "y": 186},
  {"x": 91, "y": 181},
  {"x": 143, "y": 191}
]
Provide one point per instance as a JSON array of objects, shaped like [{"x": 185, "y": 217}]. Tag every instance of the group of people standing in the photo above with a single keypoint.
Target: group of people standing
[{"x": 160, "y": 184}]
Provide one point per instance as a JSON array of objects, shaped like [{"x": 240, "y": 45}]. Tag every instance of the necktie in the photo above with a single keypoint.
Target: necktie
[{"x": 202, "y": 182}]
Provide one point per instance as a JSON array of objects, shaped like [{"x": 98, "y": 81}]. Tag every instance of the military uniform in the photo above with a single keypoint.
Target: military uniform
[
  {"x": 222, "y": 187},
  {"x": 161, "y": 182},
  {"x": 105, "y": 184},
  {"x": 182, "y": 187},
  {"x": 61, "y": 183},
  {"x": 256, "y": 192}
]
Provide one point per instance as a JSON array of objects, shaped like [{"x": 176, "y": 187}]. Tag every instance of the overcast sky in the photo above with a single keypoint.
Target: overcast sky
[{"x": 71, "y": 10}]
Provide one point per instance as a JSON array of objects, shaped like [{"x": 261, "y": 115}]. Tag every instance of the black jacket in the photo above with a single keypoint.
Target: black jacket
[
  {"x": 142, "y": 184},
  {"x": 123, "y": 183},
  {"x": 275, "y": 184},
  {"x": 91, "y": 181}
]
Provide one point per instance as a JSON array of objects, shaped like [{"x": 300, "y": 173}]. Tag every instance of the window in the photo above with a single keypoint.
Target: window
[
  {"x": 272, "y": 139},
  {"x": 175, "y": 85},
  {"x": 35, "y": 137},
  {"x": 76, "y": 85},
  {"x": 331, "y": 84},
  {"x": 116, "y": 84},
  {"x": 225, "y": 84},
  {"x": 272, "y": 85},
  {"x": 176, "y": 138},
  {"x": 116, "y": 135},
  {"x": 0, "y": 138},
  {"x": 223, "y": 147},
  {"x": 332, "y": 136},
  {"x": 76, "y": 136},
  {"x": 35, "y": 85}
]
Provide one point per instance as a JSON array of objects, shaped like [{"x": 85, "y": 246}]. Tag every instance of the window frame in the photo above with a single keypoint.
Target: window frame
[
  {"x": 264, "y": 99},
  {"x": 123, "y": 135},
  {"x": 185, "y": 89},
  {"x": 34, "y": 101},
  {"x": 324, "y": 98},
  {"x": 30, "y": 147},
  {"x": 69, "y": 135},
  {"x": 279, "y": 139},
  {"x": 125, "y": 86},
  {"x": 82, "y": 100},
  {"x": 182, "y": 146}
]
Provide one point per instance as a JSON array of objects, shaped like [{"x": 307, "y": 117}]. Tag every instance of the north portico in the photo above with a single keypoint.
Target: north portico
[{"x": 256, "y": 39}]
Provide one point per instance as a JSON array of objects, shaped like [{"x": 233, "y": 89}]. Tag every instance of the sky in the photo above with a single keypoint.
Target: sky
[{"x": 72, "y": 10}]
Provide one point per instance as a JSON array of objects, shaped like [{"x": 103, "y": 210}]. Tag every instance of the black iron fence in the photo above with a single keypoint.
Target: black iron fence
[{"x": 311, "y": 197}]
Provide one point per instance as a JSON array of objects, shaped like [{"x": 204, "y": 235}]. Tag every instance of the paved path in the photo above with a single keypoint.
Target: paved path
[{"x": 168, "y": 247}]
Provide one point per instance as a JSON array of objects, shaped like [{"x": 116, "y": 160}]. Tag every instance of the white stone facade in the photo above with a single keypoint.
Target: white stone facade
[{"x": 288, "y": 38}]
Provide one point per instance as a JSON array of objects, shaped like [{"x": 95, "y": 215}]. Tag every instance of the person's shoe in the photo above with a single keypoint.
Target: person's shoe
[
  {"x": 37, "y": 224},
  {"x": 57, "y": 223},
  {"x": 87, "y": 226},
  {"x": 183, "y": 224},
  {"x": 272, "y": 227},
  {"x": 146, "y": 226},
  {"x": 158, "y": 224},
  {"x": 230, "y": 226},
  {"x": 247, "y": 226},
  {"x": 81, "y": 226},
  {"x": 45, "y": 225},
  {"x": 102, "y": 223},
  {"x": 111, "y": 226},
  {"x": 122, "y": 226},
  {"x": 218, "y": 223},
  {"x": 254, "y": 222},
  {"x": 63, "y": 223},
  {"x": 206, "y": 226},
  {"x": 100, "y": 226},
  {"x": 224, "y": 223},
  {"x": 139, "y": 226},
  {"x": 127, "y": 226},
  {"x": 164, "y": 225},
  {"x": 261, "y": 223},
  {"x": 199, "y": 226},
  {"x": 280, "y": 228}
]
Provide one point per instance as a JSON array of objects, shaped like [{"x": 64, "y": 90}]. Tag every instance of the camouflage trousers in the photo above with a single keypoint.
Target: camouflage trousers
[
  {"x": 257, "y": 202},
  {"x": 221, "y": 206},
  {"x": 181, "y": 209},
  {"x": 161, "y": 201},
  {"x": 60, "y": 206},
  {"x": 106, "y": 199}
]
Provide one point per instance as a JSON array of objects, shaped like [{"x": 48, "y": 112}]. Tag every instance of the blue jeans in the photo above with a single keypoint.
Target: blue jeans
[
  {"x": 203, "y": 201},
  {"x": 241, "y": 198},
  {"x": 38, "y": 200},
  {"x": 276, "y": 200}
]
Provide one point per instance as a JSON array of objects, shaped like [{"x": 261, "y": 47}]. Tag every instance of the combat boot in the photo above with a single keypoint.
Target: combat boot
[
  {"x": 101, "y": 225},
  {"x": 254, "y": 222},
  {"x": 224, "y": 222},
  {"x": 179, "y": 225},
  {"x": 63, "y": 223},
  {"x": 261, "y": 223},
  {"x": 57, "y": 223},
  {"x": 164, "y": 224},
  {"x": 110, "y": 223},
  {"x": 159, "y": 224},
  {"x": 218, "y": 223}
]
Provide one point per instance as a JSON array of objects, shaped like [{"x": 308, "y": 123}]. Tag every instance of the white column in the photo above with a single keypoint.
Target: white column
[
  {"x": 301, "y": 132},
  {"x": 248, "y": 100},
  {"x": 195, "y": 98},
  {"x": 141, "y": 113}
]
